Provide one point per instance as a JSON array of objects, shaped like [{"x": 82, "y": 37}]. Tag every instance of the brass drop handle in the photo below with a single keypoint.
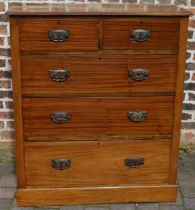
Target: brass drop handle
[
  {"x": 60, "y": 117},
  {"x": 59, "y": 75},
  {"x": 134, "y": 162},
  {"x": 58, "y": 35},
  {"x": 138, "y": 74},
  {"x": 140, "y": 35},
  {"x": 61, "y": 164},
  {"x": 137, "y": 116}
]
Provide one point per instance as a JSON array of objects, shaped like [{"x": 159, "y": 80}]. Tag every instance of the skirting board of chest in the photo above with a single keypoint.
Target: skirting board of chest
[{"x": 98, "y": 93}]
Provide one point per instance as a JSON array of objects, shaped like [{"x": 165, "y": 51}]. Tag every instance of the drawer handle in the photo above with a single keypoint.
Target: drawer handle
[
  {"x": 59, "y": 75},
  {"x": 137, "y": 116},
  {"x": 138, "y": 74},
  {"x": 61, "y": 164},
  {"x": 58, "y": 35},
  {"x": 140, "y": 35},
  {"x": 61, "y": 117},
  {"x": 134, "y": 162}
]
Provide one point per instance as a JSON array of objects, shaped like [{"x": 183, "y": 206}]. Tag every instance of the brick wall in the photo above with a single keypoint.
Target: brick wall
[{"x": 6, "y": 111}]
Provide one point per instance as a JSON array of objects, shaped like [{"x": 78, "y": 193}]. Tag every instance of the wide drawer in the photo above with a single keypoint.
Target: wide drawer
[
  {"x": 95, "y": 163},
  {"x": 141, "y": 34},
  {"x": 70, "y": 117},
  {"x": 98, "y": 74},
  {"x": 58, "y": 34}
]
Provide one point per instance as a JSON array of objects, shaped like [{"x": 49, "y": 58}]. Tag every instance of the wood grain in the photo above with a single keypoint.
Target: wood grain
[
  {"x": 17, "y": 97},
  {"x": 34, "y": 34},
  {"x": 98, "y": 74},
  {"x": 178, "y": 100},
  {"x": 98, "y": 9},
  {"x": 116, "y": 33},
  {"x": 98, "y": 116},
  {"x": 96, "y": 163},
  {"x": 96, "y": 195}
]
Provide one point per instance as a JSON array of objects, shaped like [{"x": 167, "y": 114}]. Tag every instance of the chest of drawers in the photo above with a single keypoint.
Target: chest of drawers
[{"x": 98, "y": 95}]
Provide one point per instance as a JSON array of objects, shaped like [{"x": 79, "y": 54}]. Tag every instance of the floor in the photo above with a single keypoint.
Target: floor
[{"x": 185, "y": 201}]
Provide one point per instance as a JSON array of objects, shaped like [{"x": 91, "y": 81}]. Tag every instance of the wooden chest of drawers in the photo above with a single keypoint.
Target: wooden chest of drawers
[{"x": 97, "y": 99}]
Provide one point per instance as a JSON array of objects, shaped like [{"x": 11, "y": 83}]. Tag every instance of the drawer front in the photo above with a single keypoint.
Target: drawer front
[
  {"x": 72, "y": 164},
  {"x": 71, "y": 117},
  {"x": 58, "y": 34},
  {"x": 98, "y": 74},
  {"x": 141, "y": 34}
]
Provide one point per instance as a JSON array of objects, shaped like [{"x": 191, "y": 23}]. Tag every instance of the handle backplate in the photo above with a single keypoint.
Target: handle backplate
[
  {"x": 61, "y": 164},
  {"x": 134, "y": 162},
  {"x": 58, "y": 35},
  {"x": 61, "y": 117},
  {"x": 59, "y": 75},
  {"x": 137, "y": 116},
  {"x": 140, "y": 35},
  {"x": 138, "y": 74}
]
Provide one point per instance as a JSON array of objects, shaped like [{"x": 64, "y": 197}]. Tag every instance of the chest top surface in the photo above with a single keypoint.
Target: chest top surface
[{"x": 99, "y": 9}]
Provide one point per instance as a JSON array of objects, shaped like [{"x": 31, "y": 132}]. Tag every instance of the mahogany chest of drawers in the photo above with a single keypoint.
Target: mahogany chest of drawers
[{"x": 98, "y": 95}]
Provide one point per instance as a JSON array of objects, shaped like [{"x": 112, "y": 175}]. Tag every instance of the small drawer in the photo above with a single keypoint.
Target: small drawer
[
  {"x": 95, "y": 163},
  {"x": 58, "y": 34},
  {"x": 141, "y": 34},
  {"x": 98, "y": 74},
  {"x": 69, "y": 117}
]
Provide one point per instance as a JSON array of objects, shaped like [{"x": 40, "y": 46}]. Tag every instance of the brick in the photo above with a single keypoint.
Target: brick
[
  {"x": 148, "y": 206},
  {"x": 7, "y": 169},
  {"x": 3, "y": 29},
  {"x": 189, "y": 203},
  {"x": 1, "y": 124},
  {"x": 9, "y": 104},
  {"x": 188, "y": 125},
  {"x": 2, "y": 62},
  {"x": 3, "y": 18},
  {"x": 1, "y": 104},
  {"x": 4, "y": 52},
  {"x": 74, "y": 208},
  {"x": 181, "y": 2},
  {"x": 2, "y": 41},
  {"x": 193, "y": 77},
  {"x": 7, "y": 192},
  {"x": 170, "y": 207},
  {"x": 147, "y": 1},
  {"x": 6, "y": 115},
  {"x": 188, "y": 106},
  {"x": 187, "y": 76},
  {"x": 193, "y": 2},
  {"x": 191, "y": 45},
  {"x": 190, "y": 34},
  {"x": 191, "y": 96},
  {"x": 2, "y": 7},
  {"x": 8, "y": 181},
  {"x": 10, "y": 124},
  {"x": 188, "y": 55},
  {"x": 5, "y": 74},
  {"x": 186, "y": 116},
  {"x": 189, "y": 86},
  {"x": 190, "y": 66},
  {"x": 164, "y": 1},
  {"x": 7, "y": 135},
  {"x": 122, "y": 207},
  {"x": 5, "y": 204},
  {"x": 5, "y": 94},
  {"x": 5, "y": 83},
  {"x": 130, "y": 1}
]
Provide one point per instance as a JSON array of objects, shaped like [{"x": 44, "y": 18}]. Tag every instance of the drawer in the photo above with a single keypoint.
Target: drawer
[
  {"x": 95, "y": 163},
  {"x": 141, "y": 34},
  {"x": 69, "y": 117},
  {"x": 58, "y": 34},
  {"x": 98, "y": 74}
]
